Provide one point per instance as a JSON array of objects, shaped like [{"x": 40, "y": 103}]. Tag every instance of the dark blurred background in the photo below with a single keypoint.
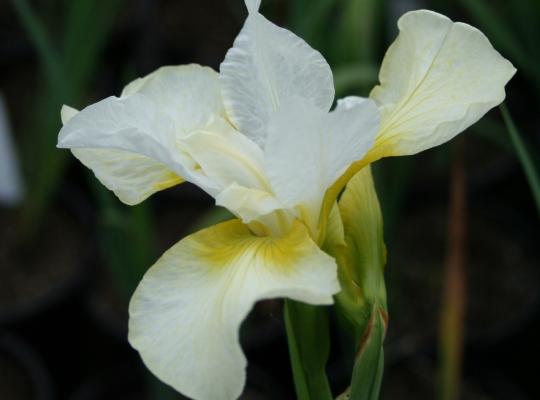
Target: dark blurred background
[{"x": 461, "y": 220}]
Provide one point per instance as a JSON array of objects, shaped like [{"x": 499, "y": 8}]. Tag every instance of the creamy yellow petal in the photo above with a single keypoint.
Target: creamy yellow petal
[
  {"x": 437, "y": 79},
  {"x": 132, "y": 177},
  {"x": 185, "y": 314}
]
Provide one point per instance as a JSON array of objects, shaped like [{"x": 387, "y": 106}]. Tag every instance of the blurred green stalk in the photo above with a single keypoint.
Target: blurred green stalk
[
  {"x": 454, "y": 282},
  {"x": 359, "y": 31},
  {"x": 40, "y": 39},
  {"x": 309, "y": 25},
  {"x": 67, "y": 72}
]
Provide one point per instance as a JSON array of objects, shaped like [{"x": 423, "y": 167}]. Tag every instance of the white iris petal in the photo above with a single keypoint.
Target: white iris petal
[
  {"x": 308, "y": 149},
  {"x": 133, "y": 142},
  {"x": 266, "y": 66}
]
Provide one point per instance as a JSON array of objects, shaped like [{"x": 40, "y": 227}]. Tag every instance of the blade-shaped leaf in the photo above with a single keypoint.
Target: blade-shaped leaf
[
  {"x": 524, "y": 156},
  {"x": 369, "y": 364},
  {"x": 309, "y": 346}
]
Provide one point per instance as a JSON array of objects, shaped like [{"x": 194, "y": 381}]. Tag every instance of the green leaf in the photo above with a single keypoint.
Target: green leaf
[
  {"x": 309, "y": 347},
  {"x": 524, "y": 156},
  {"x": 88, "y": 22},
  {"x": 40, "y": 40},
  {"x": 67, "y": 76},
  {"x": 526, "y": 14}
]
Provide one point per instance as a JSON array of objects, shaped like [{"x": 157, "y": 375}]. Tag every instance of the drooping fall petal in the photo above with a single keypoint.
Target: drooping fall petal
[{"x": 186, "y": 313}]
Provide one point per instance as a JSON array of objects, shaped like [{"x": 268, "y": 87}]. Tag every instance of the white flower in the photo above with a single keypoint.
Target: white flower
[{"x": 260, "y": 138}]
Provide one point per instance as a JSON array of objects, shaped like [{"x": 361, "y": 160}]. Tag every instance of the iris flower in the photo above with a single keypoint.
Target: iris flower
[{"x": 260, "y": 137}]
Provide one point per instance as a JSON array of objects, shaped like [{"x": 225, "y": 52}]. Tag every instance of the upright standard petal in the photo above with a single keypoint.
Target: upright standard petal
[
  {"x": 132, "y": 143},
  {"x": 253, "y": 5},
  {"x": 437, "y": 79},
  {"x": 185, "y": 314},
  {"x": 307, "y": 150},
  {"x": 266, "y": 66}
]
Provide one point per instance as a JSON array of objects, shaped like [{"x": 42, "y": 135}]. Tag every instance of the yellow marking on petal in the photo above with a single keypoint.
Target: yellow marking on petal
[
  {"x": 381, "y": 148},
  {"x": 232, "y": 242},
  {"x": 332, "y": 194},
  {"x": 173, "y": 180}
]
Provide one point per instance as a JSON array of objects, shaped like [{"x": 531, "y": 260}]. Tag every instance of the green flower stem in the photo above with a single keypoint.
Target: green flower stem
[{"x": 309, "y": 346}]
